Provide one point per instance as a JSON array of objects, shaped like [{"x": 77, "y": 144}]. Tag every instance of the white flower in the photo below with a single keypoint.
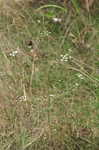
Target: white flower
[
  {"x": 76, "y": 84},
  {"x": 79, "y": 75},
  {"x": 57, "y": 20},
  {"x": 51, "y": 95},
  {"x": 13, "y": 53},
  {"x": 38, "y": 21},
  {"x": 45, "y": 33},
  {"x": 65, "y": 58},
  {"x": 21, "y": 98},
  {"x": 70, "y": 50}
]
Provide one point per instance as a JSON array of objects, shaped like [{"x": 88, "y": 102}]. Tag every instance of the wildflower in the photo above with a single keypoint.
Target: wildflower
[
  {"x": 51, "y": 95},
  {"x": 57, "y": 20},
  {"x": 65, "y": 58},
  {"x": 38, "y": 21},
  {"x": 45, "y": 33},
  {"x": 70, "y": 50},
  {"x": 76, "y": 84},
  {"x": 21, "y": 98},
  {"x": 13, "y": 53},
  {"x": 79, "y": 75}
]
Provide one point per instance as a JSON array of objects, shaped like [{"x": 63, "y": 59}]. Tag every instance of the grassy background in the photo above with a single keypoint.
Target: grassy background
[{"x": 50, "y": 101}]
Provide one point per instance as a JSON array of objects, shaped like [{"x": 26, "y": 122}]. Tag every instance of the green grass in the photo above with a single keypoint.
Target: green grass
[{"x": 52, "y": 102}]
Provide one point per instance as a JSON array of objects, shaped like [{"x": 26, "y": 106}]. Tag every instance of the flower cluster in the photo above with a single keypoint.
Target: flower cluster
[
  {"x": 45, "y": 33},
  {"x": 80, "y": 76},
  {"x": 65, "y": 58},
  {"x": 13, "y": 53}
]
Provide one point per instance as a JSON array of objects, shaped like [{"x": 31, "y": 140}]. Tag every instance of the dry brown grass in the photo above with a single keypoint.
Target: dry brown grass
[{"x": 44, "y": 103}]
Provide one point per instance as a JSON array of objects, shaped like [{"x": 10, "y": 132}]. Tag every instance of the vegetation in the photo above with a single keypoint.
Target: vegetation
[{"x": 49, "y": 77}]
